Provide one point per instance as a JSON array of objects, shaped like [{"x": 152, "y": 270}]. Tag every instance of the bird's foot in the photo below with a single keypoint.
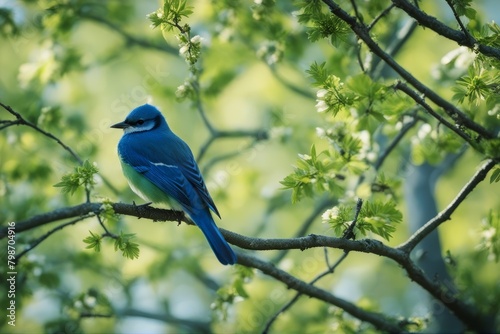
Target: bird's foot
[{"x": 185, "y": 218}]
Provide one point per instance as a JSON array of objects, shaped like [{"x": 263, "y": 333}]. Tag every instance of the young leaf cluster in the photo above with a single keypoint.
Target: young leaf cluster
[
  {"x": 230, "y": 293},
  {"x": 171, "y": 14},
  {"x": 358, "y": 94},
  {"x": 107, "y": 212},
  {"x": 93, "y": 241},
  {"x": 322, "y": 24},
  {"x": 123, "y": 242},
  {"x": 495, "y": 175},
  {"x": 490, "y": 235},
  {"x": 463, "y": 8},
  {"x": 386, "y": 185},
  {"x": 375, "y": 216},
  {"x": 477, "y": 86},
  {"x": 169, "y": 18},
  {"x": 82, "y": 176},
  {"x": 313, "y": 173}
]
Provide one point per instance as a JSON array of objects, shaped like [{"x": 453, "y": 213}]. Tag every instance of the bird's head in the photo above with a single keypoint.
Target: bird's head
[{"x": 143, "y": 118}]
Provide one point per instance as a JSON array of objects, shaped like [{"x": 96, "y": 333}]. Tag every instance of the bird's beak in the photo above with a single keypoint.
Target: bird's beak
[{"x": 121, "y": 125}]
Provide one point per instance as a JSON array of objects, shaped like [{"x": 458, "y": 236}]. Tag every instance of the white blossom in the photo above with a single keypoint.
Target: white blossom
[
  {"x": 321, "y": 93},
  {"x": 183, "y": 50},
  {"x": 330, "y": 214},
  {"x": 321, "y": 106},
  {"x": 196, "y": 39}
]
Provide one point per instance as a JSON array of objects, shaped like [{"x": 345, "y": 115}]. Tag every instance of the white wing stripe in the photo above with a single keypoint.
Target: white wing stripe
[{"x": 164, "y": 165}]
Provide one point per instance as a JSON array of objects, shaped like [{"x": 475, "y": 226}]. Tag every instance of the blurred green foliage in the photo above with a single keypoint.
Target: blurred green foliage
[{"x": 287, "y": 69}]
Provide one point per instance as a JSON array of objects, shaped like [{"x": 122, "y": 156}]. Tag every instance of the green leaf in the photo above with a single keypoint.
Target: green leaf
[
  {"x": 128, "y": 248},
  {"x": 495, "y": 176},
  {"x": 170, "y": 15},
  {"x": 93, "y": 241},
  {"x": 318, "y": 73},
  {"x": 338, "y": 218},
  {"x": 82, "y": 176},
  {"x": 229, "y": 294},
  {"x": 379, "y": 218},
  {"x": 490, "y": 235},
  {"x": 313, "y": 173},
  {"x": 107, "y": 212},
  {"x": 375, "y": 216}
]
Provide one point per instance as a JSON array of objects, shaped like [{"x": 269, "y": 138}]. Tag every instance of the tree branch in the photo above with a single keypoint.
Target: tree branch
[
  {"x": 20, "y": 120},
  {"x": 395, "y": 141},
  {"x": 330, "y": 269},
  {"x": 129, "y": 38},
  {"x": 362, "y": 32},
  {"x": 39, "y": 240},
  {"x": 92, "y": 209},
  {"x": 190, "y": 325},
  {"x": 421, "y": 101},
  {"x": 348, "y": 234},
  {"x": 467, "y": 313},
  {"x": 462, "y": 38},
  {"x": 448, "y": 211},
  {"x": 460, "y": 23},
  {"x": 400, "y": 255},
  {"x": 381, "y": 15},
  {"x": 376, "y": 319}
]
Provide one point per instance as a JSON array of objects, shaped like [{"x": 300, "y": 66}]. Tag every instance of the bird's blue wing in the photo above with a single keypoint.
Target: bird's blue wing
[
  {"x": 168, "y": 178},
  {"x": 193, "y": 175},
  {"x": 171, "y": 180},
  {"x": 179, "y": 154}
]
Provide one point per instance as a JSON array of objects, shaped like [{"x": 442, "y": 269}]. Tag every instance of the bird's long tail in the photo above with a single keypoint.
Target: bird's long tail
[{"x": 219, "y": 245}]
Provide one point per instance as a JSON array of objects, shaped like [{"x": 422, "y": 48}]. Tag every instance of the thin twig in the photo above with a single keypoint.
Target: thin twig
[
  {"x": 348, "y": 234},
  {"x": 360, "y": 61},
  {"x": 379, "y": 16},
  {"x": 39, "y": 240},
  {"x": 106, "y": 231},
  {"x": 356, "y": 11},
  {"x": 192, "y": 326},
  {"x": 421, "y": 101},
  {"x": 445, "y": 215},
  {"x": 95, "y": 315},
  {"x": 460, "y": 23},
  {"x": 22, "y": 121},
  {"x": 222, "y": 157},
  {"x": 361, "y": 31},
  {"x": 395, "y": 141},
  {"x": 398, "y": 40},
  {"x": 292, "y": 301},
  {"x": 376, "y": 319},
  {"x": 259, "y": 135},
  {"x": 324, "y": 204},
  {"x": 290, "y": 85},
  {"x": 129, "y": 38},
  {"x": 442, "y": 29}
]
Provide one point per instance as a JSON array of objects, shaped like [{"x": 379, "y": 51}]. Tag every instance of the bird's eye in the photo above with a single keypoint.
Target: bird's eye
[{"x": 140, "y": 122}]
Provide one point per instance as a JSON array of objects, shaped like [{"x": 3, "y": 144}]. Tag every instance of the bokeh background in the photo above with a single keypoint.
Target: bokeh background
[{"x": 76, "y": 74}]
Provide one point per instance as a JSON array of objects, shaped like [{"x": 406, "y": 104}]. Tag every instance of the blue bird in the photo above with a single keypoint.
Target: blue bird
[{"x": 161, "y": 168}]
